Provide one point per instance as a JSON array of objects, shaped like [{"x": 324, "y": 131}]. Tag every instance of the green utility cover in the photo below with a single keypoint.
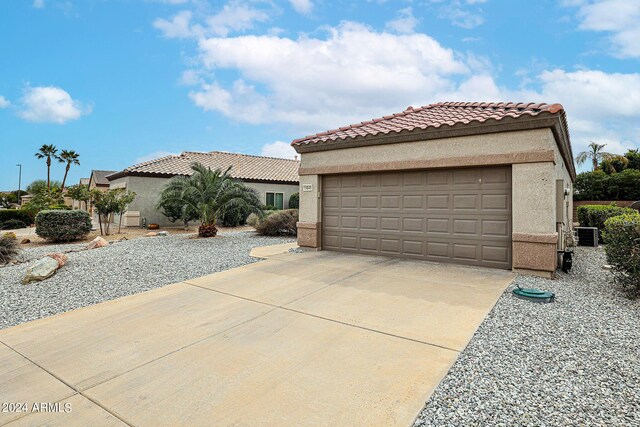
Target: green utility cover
[{"x": 535, "y": 295}]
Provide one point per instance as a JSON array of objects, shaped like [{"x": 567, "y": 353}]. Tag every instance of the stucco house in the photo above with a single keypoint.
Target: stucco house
[
  {"x": 483, "y": 184},
  {"x": 274, "y": 179}
]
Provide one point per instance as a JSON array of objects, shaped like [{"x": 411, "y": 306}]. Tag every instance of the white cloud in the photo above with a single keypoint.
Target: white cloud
[
  {"x": 619, "y": 18},
  {"x": 50, "y": 104},
  {"x": 460, "y": 14},
  {"x": 38, "y": 4},
  {"x": 4, "y": 102},
  {"x": 153, "y": 156},
  {"x": 233, "y": 17},
  {"x": 279, "y": 149},
  {"x": 404, "y": 22},
  {"x": 315, "y": 82},
  {"x": 302, "y": 6}
]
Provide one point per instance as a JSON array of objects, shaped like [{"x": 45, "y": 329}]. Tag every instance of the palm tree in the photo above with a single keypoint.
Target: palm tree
[
  {"x": 594, "y": 153},
  {"x": 69, "y": 157},
  {"x": 207, "y": 194},
  {"x": 47, "y": 152}
]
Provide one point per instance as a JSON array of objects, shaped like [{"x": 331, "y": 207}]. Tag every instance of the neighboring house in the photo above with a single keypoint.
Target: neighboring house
[
  {"x": 98, "y": 180},
  {"x": 485, "y": 184},
  {"x": 274, "y": 179}
]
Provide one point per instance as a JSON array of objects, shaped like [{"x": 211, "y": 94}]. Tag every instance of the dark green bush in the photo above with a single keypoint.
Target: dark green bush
[
  {"x": 280, "y": 223},
  {"x": 234, "y": 216},
  {"x": 598, "y": 185},
  {"x": 8, "y": 249},
  {"x": 622, "y": 238},
  {"x": 19, "y": 214},
  {"x": 294, "y": 201},
  {"x": 63, "y": 225},
  {"x": 596, "y": 215},
  {"x": 12, "y": 224}
]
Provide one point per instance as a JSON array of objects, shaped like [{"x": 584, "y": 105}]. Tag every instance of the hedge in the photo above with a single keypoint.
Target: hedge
[
  {"x": 17, "y": 214},
  {"x": 63, "y": 225},
  {"x": 598, "y": 185},
  {"x": 622, "y": 238},
  {"x": 596, "y": 215},
  {"x": 294, "y": 201}
]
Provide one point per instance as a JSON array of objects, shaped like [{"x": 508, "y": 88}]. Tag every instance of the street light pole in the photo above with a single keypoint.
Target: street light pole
[{"x": 19, "y": 185}]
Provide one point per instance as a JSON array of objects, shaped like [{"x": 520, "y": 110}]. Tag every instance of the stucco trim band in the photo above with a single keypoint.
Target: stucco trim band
[
  {"x": 309, "y": 234},
  {"x": 551, "y": 238},
  {"x": 445, "y": 162}
]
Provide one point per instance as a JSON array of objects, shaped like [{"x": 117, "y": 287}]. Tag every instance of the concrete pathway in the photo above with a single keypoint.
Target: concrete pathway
[{"x": 316, "y": 338}]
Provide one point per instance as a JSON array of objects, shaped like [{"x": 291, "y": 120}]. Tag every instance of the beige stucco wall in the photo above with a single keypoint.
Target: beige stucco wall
[
  {"x": 536, "y": 164},
  {"x": 148, "y": 191}
]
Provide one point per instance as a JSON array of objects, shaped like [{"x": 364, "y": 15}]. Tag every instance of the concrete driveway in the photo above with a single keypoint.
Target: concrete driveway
[{"x": 316, "y": 338}]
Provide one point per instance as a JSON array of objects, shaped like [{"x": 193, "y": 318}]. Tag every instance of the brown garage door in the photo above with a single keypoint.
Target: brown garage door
[{"x": 450, "y": 215}]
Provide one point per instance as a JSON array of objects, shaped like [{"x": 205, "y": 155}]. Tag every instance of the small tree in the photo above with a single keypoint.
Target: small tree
[
  {"x": 79, "y": 193},
  {"x": 105, "y": 204},
  {"x": 123, "y": 200}
]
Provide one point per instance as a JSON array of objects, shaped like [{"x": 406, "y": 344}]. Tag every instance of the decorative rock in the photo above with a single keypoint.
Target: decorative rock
[
  {"x": 40, "y": 270},
  {"x": 98, "y": 242},
  {"x": 25, "y": 241},
  {"x": 606, "y": 267},
  {"x": 162, "y": 233},
  {"x": 60, "y": 257},
  {"x": 151, "y": 234}
]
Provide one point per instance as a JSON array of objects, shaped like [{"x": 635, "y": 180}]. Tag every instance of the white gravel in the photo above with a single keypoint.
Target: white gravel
[
  {"x": 574, "y": 362},
  {"x": 122, "y": 268}
]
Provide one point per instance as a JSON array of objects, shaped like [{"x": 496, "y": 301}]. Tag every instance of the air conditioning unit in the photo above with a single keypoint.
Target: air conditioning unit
[{"x": 587, "y": 236}]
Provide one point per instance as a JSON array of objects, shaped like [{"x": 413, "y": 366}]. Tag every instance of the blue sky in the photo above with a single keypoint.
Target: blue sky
[{"x": 121, "y": 81}]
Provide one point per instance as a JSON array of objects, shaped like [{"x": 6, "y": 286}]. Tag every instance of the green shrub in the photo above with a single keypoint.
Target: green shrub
[
  {"x": 18, "y": 214},
  {"x": 597, "y": 185},
  {"x": 59, "y": 208},
  {"x": 622, "y": 238},
  {"x": 596, "y": 215},
  {"x": 8, "y": 249},
  {"x": 294, "y": 201},
  {"x": 234, "y": 216},
  {"x": 12, "y": 224},
  {"x": 280, "y": 223},
  {"x": 63, "y": 225}
]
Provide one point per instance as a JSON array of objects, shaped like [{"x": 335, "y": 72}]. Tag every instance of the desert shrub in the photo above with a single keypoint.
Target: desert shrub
[
  {"x": 10, "y": 235},
  {"x": 63, "y": 225},
  {"x": 280, "y": 223},
  {"x": 253, "y": 220},
  {"x": 18, "y": 214},
  {"x": 596, "y": 215},
  {"x": 8, "y": 250},
  {"x": 622, "y": 238},
  {"x": 294, "y": 201},
  {"x": 12, "y": 224}
]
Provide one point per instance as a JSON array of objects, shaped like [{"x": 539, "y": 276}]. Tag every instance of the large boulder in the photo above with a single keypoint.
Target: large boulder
[
  {"x": 40, "y": 270},
  {"x": 60, "y": 257},
  {"x": 98, "y": 242}
]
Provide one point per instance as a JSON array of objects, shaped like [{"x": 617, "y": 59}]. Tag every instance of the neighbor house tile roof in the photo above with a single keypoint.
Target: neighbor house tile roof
[
  {"x": 243, "y": 166},
  {"x": 433, "y": 116},
  {"x": 84, "y": 181},
  {"x": 100, "y": 177}
]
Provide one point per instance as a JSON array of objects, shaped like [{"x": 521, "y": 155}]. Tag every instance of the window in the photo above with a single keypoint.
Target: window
[{"x": 276, "y": 200}]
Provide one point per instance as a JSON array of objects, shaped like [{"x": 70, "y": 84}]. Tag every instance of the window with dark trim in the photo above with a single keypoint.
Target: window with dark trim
[{"x": 276, "y": 200}]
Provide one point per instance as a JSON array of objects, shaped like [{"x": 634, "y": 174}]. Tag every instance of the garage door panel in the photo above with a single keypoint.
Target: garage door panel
[{"x": 455, "y": 215}]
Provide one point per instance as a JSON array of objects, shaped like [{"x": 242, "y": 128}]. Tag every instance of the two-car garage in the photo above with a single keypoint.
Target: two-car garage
[
  {"x": 480, "y": 184},
  {"x": 449, "y": 215}
]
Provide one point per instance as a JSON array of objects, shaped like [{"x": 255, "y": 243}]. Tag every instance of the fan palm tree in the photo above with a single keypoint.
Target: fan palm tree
[
  {"x": 48, "y": 151},
  {"x": 69, "y": 157},
  {"x": 595, "y": 153},
  {"x": 207, "y": 194}
]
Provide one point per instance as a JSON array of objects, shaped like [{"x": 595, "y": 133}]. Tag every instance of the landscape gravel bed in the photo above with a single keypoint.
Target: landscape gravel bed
[
  {"x": 122, "y": 268},
  {"x": 573, "y": 362}
]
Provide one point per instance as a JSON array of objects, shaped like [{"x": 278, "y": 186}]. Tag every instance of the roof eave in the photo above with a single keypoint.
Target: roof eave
[{"x": 556, "y": 122}]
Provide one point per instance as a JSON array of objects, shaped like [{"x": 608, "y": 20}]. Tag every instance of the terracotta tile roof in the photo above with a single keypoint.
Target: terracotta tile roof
[
  {"x": 100, "y": 177},
  {"x": 243, "y": 166},
  {"x": 433, "y": 116}
]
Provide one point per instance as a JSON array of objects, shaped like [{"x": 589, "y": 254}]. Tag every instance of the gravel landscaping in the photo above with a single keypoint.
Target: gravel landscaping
[
  {"x": 573, "y": 362},
  {"x": 122, "y": 268}
]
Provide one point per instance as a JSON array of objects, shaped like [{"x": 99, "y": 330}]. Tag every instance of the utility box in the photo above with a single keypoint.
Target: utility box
[{"x": 587, "y": 236}]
